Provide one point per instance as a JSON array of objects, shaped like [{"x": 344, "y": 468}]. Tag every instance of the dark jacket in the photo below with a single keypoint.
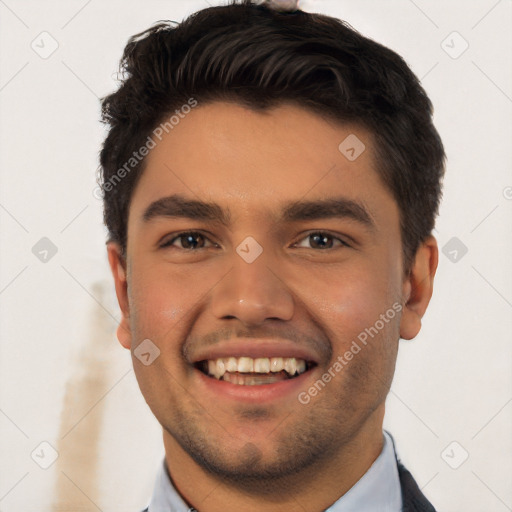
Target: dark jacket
[{"x": 412, "y": 498}]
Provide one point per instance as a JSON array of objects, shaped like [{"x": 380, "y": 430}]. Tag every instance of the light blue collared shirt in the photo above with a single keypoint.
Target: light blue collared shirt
[{"x": 378, "y": 490}]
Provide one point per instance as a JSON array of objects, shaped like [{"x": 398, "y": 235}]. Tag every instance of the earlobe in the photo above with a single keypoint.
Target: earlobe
[
  {"x": 119, "y": 272},
  {"x": 418, "y": 287}
]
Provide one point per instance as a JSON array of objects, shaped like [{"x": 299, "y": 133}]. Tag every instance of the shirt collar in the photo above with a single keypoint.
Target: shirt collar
[{"x": 378, "y": 490}]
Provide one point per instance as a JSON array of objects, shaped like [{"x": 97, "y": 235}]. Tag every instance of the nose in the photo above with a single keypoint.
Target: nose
[{"x": 252, "y": 293}]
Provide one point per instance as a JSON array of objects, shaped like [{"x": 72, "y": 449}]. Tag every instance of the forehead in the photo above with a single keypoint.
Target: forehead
[{"x": 255, "y": 161}]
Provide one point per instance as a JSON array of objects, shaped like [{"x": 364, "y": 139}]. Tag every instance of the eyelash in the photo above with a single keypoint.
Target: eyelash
[{"x": 169, "y": 243}]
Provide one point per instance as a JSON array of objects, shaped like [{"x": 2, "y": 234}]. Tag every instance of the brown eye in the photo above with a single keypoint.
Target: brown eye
[
  {"x": 321, "y": 240},
  {"x": 188, "y": 241}
]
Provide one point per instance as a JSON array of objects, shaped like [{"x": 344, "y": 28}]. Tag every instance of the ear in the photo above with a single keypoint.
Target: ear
[
  {"x": 119, "y": 271},
  {"x": 417, "y": 288}
]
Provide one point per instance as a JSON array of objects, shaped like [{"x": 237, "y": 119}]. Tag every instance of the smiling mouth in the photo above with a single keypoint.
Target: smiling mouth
[{"x": 246, "y": 371}]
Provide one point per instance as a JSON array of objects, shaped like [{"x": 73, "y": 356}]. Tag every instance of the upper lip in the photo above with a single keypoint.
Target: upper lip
[{"x": 254, "y": 348}]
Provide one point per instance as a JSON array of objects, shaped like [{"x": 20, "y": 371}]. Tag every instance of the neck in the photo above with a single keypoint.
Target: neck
[{"x": 314, "y": 489}]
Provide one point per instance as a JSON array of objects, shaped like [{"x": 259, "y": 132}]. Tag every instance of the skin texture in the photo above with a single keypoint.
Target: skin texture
[{"x": 226, "y": 454}]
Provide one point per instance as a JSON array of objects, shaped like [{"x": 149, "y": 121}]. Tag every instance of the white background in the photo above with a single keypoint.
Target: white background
[{"x": 65, "y": 379}]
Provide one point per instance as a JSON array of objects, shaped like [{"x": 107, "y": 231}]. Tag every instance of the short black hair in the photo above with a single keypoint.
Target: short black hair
[{"x": 256, "y": 56}]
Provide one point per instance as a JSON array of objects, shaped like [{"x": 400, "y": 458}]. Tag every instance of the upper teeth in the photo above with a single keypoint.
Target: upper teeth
[{"x": 218, "y": 367}]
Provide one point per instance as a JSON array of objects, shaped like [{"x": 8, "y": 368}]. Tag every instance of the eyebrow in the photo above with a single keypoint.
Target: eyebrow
[
  {"x": 177, "y": 206},
  {"x": 339, "y": 207}
]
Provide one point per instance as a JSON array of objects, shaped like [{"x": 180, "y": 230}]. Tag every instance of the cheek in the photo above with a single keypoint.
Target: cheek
[
  {"x": 163, "y": 291},
  {"x": 159, "y": 301},
  {"x": 349, "y": 304}
]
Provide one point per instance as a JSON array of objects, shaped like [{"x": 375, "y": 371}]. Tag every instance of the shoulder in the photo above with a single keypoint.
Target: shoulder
[
  {"x": 413, "y": 500},
  {"x": 412, "y": 497}
]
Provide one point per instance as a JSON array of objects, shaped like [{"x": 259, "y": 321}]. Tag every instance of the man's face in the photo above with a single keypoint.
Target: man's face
[{"x": 326, "y": 274}]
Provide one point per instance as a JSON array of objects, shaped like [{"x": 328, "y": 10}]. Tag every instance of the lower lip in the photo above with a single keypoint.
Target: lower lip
[{"x": 253, "y": 394}]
